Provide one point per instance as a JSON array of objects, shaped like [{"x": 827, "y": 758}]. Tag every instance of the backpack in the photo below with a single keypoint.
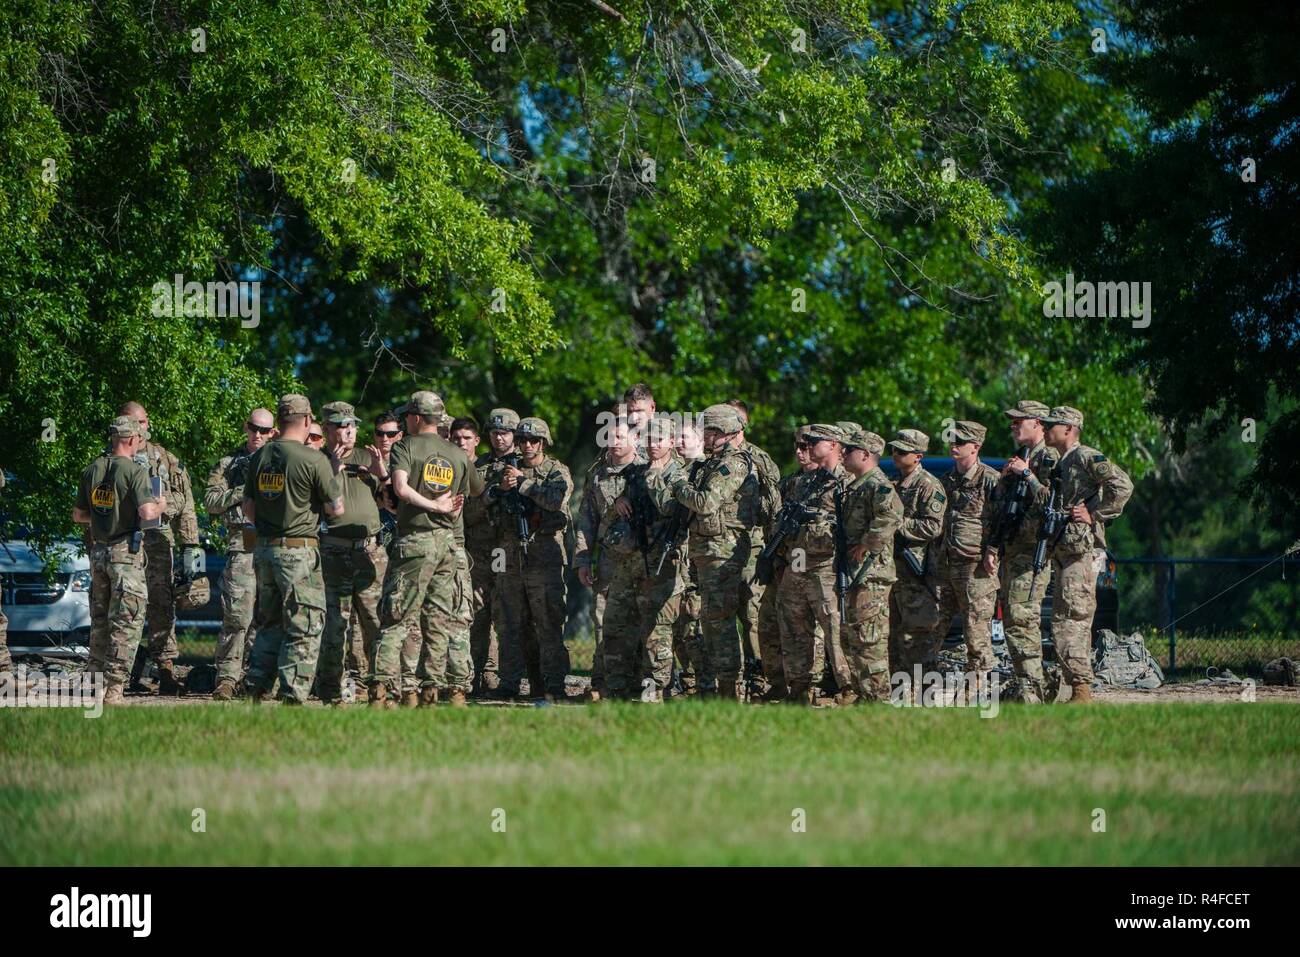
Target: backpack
[
  {"x": 1125, "y": 662},
  {"x": 1282, "y": 671}
]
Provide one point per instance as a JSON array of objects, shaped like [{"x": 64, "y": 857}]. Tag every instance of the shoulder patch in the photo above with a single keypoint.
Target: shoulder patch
[
  {"x": 723, "y": 470},
  {"x": 1104, "y": 470},
  {"x": 938, "y": 497},
  {"x": 1099, "y": 457},
  {"x": 936, "y": 505},
  {"x": 884, "y": 490}
]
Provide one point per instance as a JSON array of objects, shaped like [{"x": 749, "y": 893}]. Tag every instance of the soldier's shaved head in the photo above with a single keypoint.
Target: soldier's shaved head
[
  {"x": 262, "y": 417},
  {"x": 134, "y": 409}
]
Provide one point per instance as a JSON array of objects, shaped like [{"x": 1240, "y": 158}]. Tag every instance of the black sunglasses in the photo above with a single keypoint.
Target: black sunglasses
[
  {"x": 313, "y": 437},
  {"x": 260, "y": 429},
  {"x": 388, "y": 433}
]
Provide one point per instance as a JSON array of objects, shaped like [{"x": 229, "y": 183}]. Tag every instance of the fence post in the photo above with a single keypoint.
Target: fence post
[{"x": 1171, "y": 597}]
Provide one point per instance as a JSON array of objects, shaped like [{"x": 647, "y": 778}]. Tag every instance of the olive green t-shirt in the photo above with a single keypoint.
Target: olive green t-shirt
[
  {"x": 289, "y": 483},
  {"x": 432, "y": 466},
  {"x": 112, "y": 490},
  {"x": 360, "y": 518}
]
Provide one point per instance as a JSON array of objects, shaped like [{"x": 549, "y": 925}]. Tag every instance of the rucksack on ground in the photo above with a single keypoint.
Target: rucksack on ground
[{"x": 1125, "y": 662}]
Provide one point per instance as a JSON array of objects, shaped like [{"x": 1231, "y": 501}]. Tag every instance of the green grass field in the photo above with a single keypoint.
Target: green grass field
[{"x": 692, "y": 783}]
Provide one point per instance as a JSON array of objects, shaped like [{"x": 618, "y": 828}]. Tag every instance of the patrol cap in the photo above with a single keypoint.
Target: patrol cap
[
  {"x": 724, "y": 418},
  {"x": 1027, "y": 409},
  {"x": 503, "y": 419},
  {"x": 123, "y": 427},
  {"x": 294, "y": 404},
  {"x": 969, "y": 432},
  {"x": 823, "y": 430},
  {"x": 533, "y": 427},
  {"x": 423, "y": 403},
  {"x": 801, "y": 431},
  {"x": 868, "y": 441},
  {"x": 848, "y": 428},
  {"x": 1064, "y": 415},
  {"x": 340, "y": 413},
  {"x": 910, "y": 440}
]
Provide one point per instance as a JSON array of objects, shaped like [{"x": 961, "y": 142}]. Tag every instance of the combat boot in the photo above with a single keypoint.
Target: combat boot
[
  {"x": 167, "y": 684},
  {"x": 379, "y": 698},
  {"x": 536, "y": 686},
  {"x": 456, "y": 698},
  {"x": 413, "y": 699},
  {"x": 846, "y": 698},
  {"x": 225, "y": 690},
  {"x": 591, "y": 695},
  {"x": 727, "y": 690},
  {"x": 1030, "y": 692},
  {"x": 428, "y": 696},
  {"x": 1082, "y": 694},
  {"x": 113, "y": 695}
]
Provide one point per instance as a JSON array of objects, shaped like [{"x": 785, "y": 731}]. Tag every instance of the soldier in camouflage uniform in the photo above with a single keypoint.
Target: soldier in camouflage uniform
[
  {"x": 688, "y": 639},
  {"x": 289, "y": 486},
  {"x": 530, "y": 607},
  {"x": 223, "y": 497},
  {"x": 1093, "y": 491},
  {"x": 1021, "y": 610},
  {"x": 181, "y": 522},
  {"x": 603, "y": 542},
  {"x": 806, "y": 598},
  {"x": 431, "y": 479},
  {"x": 914, "y": 599},
  {"x": 872, "y": 513},
  {"x": 965, "y": 587},
  {"x": 114, "y": 497},
  {"x": 719, "y": 539},
  {"x": 353, "y": 562}
]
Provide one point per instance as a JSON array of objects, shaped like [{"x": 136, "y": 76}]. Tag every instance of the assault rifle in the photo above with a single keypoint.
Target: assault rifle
[
  {"x": 841, "y": 549},
  {"x": 794, "y": 514},
  {"x": 643, "y": 512},
  {"x": 514, "y": 505},
  {"x": 1012, "y": 513},
  {"x": 1055, "y": 520},
  {"x": 678, "y": 520}
]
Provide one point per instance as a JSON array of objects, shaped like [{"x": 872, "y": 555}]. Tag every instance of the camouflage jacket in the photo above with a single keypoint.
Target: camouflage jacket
[
  {"x": 180, "y": 521},
  {"x": 816, "y": 537},
  {"x": 872, "y": 513},
  {"x": 1024, "y": 537},
  {"x": 480, "y": 532},
  {"x": 712, "y": 493},
  {"x": 970, "y": 514},
  {"x": 1084, "y": 473},
  {"x": 759, "y": 495},
  {"x": 545, "y": 491},
  {"x": 224, "y": 495},
  {"x": 924, "y": 503},
  {"x": 599, "y": 528}
]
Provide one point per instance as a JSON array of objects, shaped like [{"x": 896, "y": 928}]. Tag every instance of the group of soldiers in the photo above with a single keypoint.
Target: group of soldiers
[{"x": 431, "y": 573}]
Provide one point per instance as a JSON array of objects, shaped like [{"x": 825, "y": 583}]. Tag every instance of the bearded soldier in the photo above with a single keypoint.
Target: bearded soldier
[
  {"x": 914, "y": 599},
  {"x": 180, "y": 521},
  {"x": 965, "y": 587},
  {"x": 223, "y": 498},
  {"x": 872, "y": 513},
  {"x": 1092, "y": 492},
  {"x": 529, "y": 610},
  {"x": 719, "y": 540},
  {"x": 114, "y": 497},
  {"x": 1012, "y": 551}
]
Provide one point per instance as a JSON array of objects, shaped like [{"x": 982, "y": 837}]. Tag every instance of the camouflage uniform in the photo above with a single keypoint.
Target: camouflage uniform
[
  {"x": 913, "y": 601},
  {"x": 529, "y": 607},
  {"x": 288, "y": 484},
  {"x": 112, "y": 489},
  {"x": 1084, "y": 474},
  {"x": 180, "y": 521},
  {"x": 965, "y": 588},
  {"x": 759, "y": 502},
  {"x": 1022, "y": 611},
  {"x": 719, "y": 544},
  {"x": 872, "y": 513},
  {"x": 223, "y": 498},
  {"x": 480, "y": 542},
  {"x": 769, "y": 619}
]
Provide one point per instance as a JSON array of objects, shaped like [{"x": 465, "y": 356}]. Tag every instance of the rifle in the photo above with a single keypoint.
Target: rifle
[
  {"x": 1055, "y": 520},
  {"x": 514, "y": 505},
  {"x": 678, "y": 520},
  {"x": 914, "y": 563},
  {"x": 841, "y": 549},
  {"x": 642, "y": 511},
  {"x": 794, "y": 514},
  {"x": 1012, "y": 513}
]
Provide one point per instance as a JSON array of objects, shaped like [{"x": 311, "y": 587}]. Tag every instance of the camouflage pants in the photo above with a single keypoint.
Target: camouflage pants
[
  {"x": 408, "y": 599},
  {"x": 161, "y": 615},
  {"x": 865, "y": 633},
  {"x": 1074, "y": 601},
  {"x": 445, "y": 660},
  {"x": 6, "y": 662},
  {"x": 688, "y": 641},
  {"x": 807, "y": 602},
  {"x": 769, "y": 636},
  {"x": 1022, "y": 613},
  {"x": 529, "y": 614},
  {"x": 238, "y": 601},
  {"x": 639, "y": 619},
  {"x": 482, "y": 636},
  {"x": 354, "y": 581},
  {"x": 719, "y": 583},
  {"x": 599, "y": 605},
  {"x": 751, "y": 600},
  {"x": 913, "y": 613},
  {"x": 967, "y": 590},
  {"x": 290, "y": 620},
  {"x": 119, "y": 595}
]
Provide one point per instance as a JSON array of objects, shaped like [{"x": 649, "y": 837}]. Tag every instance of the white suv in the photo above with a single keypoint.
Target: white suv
[{"x": 46, "y": 617}]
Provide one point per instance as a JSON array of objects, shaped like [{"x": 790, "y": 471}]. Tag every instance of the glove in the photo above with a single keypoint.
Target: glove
[{"x": 194, "y": 562}]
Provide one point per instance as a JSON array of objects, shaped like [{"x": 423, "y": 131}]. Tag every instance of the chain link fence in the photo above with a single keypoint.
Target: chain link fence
[{"x": 1223, "y": 613}]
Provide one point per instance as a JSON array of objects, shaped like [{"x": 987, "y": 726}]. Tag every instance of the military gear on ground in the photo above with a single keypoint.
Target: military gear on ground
[
  {"x": 1282, "y": 671},
  {"x": 1125, "y": 662}
]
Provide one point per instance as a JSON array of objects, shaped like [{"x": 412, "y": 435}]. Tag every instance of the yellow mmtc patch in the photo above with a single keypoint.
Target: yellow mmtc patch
[
  {"x": 270, "y": 483},
  {"x": 438, "y": 474},
  {"x": 103, "y": 496}
]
